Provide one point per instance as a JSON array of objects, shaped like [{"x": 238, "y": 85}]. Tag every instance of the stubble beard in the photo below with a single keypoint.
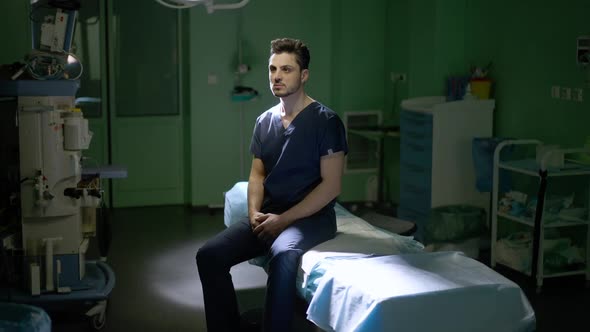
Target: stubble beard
[{"x": 285, "y": 92}]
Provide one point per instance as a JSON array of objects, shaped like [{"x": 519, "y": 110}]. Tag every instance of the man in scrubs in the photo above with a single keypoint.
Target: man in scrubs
[{"x": 298, "y": 149}]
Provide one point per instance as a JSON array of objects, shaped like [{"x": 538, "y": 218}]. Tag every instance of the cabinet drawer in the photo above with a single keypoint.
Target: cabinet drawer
[
  {"x": 419, "y": 175},
  {"x": 418, "y": 137},
  {"x": 416, "y": 119},
  {"x": 416, "y": 126},
  {"x": 416, "y": 154},
  {"x": 414, "y": 196}
]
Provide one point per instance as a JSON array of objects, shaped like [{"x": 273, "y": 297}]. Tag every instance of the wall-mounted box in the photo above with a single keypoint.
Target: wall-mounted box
[{"x": 583, "y": 51}]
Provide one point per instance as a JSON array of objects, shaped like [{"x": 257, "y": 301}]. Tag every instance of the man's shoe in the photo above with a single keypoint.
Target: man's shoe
[{"x": 251, "y": 320}]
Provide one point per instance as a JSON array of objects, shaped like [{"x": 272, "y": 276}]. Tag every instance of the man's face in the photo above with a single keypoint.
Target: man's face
[{"x": 285, "y": 75}]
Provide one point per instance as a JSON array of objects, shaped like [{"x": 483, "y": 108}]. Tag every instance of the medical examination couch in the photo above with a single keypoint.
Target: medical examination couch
[{"x": 369, "y": 280}]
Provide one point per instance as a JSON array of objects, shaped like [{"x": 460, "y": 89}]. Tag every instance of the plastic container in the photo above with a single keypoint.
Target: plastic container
[
  {"x": 481, "y": 88},
  {"x": 455, "y": 223},
  {"x": 483, "y": 162},
  {"x": 456, "y": 87},
  {"x": 16, "y": 317}
]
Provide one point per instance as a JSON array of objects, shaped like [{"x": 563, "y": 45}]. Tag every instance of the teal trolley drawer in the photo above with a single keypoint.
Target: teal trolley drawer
[
  {"x": 418, "y": 137},
  {"x": 419, "y": 175},
  {"x": 416, "y": 119},
  {"x": 416, "y": 131},
  {"x": 416, "y": 154},
  {"x": 414, "y": 196}
]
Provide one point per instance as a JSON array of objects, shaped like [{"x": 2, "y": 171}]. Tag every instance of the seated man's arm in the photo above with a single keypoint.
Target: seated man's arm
[
  {"x": 332, "y": 167},
  {"x": 255, "y": 191}
]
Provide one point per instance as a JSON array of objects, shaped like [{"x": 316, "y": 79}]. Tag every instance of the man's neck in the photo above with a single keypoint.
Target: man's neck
[{"x": 295, "y": 103}]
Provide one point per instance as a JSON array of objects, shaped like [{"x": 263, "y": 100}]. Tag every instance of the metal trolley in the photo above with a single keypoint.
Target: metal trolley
[{"x": 546, "y": 169}]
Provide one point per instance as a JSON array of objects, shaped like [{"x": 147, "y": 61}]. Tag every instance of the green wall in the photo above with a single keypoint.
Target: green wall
[
  {"x": 355, "y": 46},
  {"x": 533, "y": 48},
  {"x": 531, "y": 45},
  {"x": 15, "y": 35},
  {"x": 347, "y": 44}
]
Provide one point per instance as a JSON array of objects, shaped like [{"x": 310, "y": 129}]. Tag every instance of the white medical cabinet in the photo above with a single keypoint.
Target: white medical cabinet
[
  {"x": 436, "y": 165},
  {"x": 540, "y": 226}
]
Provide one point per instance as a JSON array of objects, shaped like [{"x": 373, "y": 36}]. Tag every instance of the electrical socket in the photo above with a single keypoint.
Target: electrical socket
[
  {"x": 566, "y": 93},
  {"x": 398, "y": 77},
  {"x": 555, "y": 91},
  {"x": 212, "y": 79},
  {"x": 578, "y": 95}
]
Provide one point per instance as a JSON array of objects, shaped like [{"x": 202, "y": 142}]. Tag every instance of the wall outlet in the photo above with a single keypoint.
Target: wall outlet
[
  {"x": 578, "y": 95},
  {"x": 212, "y": 79},
  {"x": 555, "y": 91},
  {"x": 566, "y": 93},
  {"x": 398, "y": 77}
]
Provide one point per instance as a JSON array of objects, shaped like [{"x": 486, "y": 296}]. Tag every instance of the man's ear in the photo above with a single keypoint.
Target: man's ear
[{"x": 304, "y": 75}]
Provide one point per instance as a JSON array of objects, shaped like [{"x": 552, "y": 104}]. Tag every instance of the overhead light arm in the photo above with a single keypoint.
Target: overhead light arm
[{"x": 237, "y": 5}]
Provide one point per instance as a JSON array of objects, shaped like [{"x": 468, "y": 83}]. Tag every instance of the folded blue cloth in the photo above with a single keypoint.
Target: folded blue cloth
[{"x": 442, "y": 291}]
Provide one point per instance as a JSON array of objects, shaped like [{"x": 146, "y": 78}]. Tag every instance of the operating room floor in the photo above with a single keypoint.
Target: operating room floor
[
  {"x": 157, "y": 285},
  {"x": 158, "y": 289}
]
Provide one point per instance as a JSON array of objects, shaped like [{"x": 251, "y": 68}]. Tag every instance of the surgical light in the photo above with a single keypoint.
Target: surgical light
[
  {"x": 180, "y": 4},
  {"x": 211, "y": 7}
]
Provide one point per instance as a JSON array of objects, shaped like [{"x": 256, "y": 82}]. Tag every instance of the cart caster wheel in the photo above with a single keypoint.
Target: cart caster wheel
[{"x": 97, "y": 322}]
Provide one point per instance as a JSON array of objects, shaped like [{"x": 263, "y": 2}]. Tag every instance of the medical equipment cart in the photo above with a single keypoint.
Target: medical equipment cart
[
  {"x": 549, "y": 165},
  {"x": 58, "y": 200},
  {"x": 436, "y": 165}
]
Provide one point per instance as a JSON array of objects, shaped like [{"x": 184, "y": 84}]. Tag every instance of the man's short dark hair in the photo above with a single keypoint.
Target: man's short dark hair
[{"x": 294, "y": 46}]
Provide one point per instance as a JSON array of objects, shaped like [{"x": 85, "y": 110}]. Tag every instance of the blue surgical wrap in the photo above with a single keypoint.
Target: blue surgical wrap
[{"x": 442, "y": 291}]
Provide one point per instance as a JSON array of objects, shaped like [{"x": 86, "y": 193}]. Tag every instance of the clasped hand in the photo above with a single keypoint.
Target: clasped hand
[{"x": 267, "y": 226}]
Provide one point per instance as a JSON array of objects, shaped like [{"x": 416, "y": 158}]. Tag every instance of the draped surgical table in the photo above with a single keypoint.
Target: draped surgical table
[{"x": 370, "y": 280}]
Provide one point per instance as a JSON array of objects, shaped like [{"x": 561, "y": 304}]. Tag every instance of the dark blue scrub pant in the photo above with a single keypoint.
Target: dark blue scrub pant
[{"x": 237, "y": 244}]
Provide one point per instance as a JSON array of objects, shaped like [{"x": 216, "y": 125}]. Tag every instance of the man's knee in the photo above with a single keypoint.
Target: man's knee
[
  {"x": 286, "y": 260},
  {"x": 206, "y": 256}
]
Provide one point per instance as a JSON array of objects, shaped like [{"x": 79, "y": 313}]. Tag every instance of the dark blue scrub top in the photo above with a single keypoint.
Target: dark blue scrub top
[{"x": 291, "y": 156}]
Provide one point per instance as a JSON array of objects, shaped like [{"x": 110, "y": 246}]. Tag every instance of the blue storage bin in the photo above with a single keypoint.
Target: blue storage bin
[
  {"x": 16, "y": 317},
  {"x": 483, "y": 161},
  {"x": 453, "y": 223}
]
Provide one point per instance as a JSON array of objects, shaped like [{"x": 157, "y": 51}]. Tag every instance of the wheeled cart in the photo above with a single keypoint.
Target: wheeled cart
[
  {"x": 553, "y": 212},
  {"x": 91, "y": 296}
]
